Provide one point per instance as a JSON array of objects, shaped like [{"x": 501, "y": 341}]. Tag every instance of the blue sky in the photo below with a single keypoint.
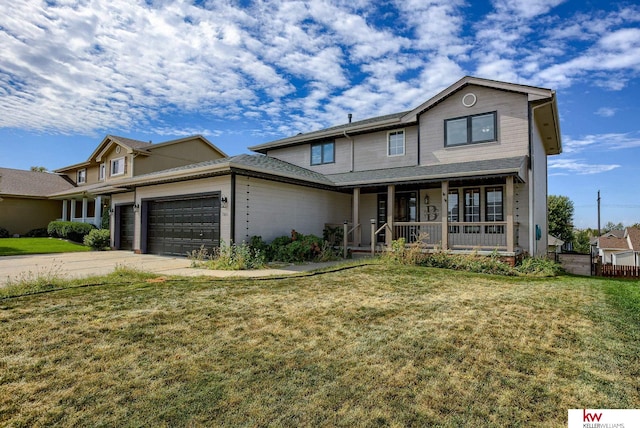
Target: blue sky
[{"x": 245, "y": 72}]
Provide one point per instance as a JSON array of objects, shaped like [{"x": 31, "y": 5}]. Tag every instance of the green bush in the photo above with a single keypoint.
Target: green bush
[
  {"x": 40, "y": 232},
  {"x": 71, "y": 230},
  {"x": 98, "y": 239},
  {"x": 4, "y": 233},
  {"x": 298, "y": 248}
]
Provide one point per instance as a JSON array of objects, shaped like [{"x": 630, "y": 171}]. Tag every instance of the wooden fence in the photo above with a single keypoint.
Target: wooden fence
[{"x": 611, "y": 271}]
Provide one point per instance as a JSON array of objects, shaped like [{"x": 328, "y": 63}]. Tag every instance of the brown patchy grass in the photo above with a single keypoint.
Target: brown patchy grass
[{"x": 371, "y": 346}]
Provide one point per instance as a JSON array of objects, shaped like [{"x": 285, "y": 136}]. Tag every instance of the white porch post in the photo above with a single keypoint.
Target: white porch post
[
  {"x": 65, "y": 212},
  {"x": 509, "y": 213},
  {"x": 357, "y": 231},
  {"x": 445, "y": 215},
  {"x": 73, "y": 209},
  {"x": 84, "y": 209},
  {"x": 98, "y": 211},
  {"x": 391, "y": 195}
]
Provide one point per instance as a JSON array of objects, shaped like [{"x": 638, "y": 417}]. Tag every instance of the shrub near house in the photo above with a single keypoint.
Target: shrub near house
[{"x": 70, "y": 230}]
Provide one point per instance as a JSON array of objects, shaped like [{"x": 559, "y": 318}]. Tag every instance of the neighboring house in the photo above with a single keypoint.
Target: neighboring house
[
  {"x": 554, "y": 244},
  {"x": 117, "y": 159},
  {"x": 464, "y": 171},
  {"x": 619, "y": 248},
  {"x": 24, "y": 202}
]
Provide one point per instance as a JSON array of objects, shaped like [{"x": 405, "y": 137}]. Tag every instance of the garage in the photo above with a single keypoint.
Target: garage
[
  {"x": 176, "y": 226},
  {"x": 124, "y": 227}
]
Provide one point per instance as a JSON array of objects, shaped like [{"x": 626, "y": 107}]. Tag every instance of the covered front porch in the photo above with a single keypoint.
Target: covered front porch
[
  {"x": 84, "y": 209},
  {"x": 477, "y": 214}
]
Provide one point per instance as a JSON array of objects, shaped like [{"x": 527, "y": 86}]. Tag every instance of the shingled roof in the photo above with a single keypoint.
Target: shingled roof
[
  {"x": 18, "y": 182},
  {"x": 611, "y": 243},
  {"x": 634, "y": 237}
]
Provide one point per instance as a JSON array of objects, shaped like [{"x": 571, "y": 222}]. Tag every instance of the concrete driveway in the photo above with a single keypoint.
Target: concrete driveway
[{"x": 79, "y": 265}]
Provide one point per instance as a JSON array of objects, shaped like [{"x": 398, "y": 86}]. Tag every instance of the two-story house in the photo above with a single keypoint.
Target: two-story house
[
  {"x": 464, "y": 171},
  {"x": 116, "y": 159}
]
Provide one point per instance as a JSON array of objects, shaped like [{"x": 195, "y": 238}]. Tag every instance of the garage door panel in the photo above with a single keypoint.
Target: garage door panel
[{"x": 177, "y": 227}]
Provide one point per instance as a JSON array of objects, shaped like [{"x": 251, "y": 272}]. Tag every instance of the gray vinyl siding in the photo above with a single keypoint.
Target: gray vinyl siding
[
  {"x": 371, "y": 150},
  {"x": 512, "y": 129},
  {"x": 538, "y": 187},
  {"x": 301, "y": 156},
  {"x": 521, "y": 215},
  {"x": 271, "y": 209}
]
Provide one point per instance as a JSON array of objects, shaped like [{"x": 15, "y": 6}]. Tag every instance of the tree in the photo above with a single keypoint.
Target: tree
[
  {"x": 560, "y": 212},
  {"x": 612, "y": 226},
  {"x": 38, "y": 169},
  {"x": 582, "y": 241}
]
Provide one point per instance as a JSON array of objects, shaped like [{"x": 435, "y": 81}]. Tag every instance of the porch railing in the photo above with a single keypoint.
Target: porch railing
[
  {"x": 460, "y": 236},
  {"x": 430, "y": 233},
  {"x": 470, "y": 235}
]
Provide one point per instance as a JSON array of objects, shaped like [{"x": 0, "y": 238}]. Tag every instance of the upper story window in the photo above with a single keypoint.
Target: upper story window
[
  {"x": 102, "y": 172},
  {"x": 395, "y": 143},
  {"x": 82, "y": 176},
  {"x": 117, "y": 166},
  {"x": 322, "y": 153},
  {"x": 479, "y": 128}
]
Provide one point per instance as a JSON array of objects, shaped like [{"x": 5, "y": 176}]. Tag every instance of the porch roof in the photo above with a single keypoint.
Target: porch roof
[{"x": 515, "y": 166}]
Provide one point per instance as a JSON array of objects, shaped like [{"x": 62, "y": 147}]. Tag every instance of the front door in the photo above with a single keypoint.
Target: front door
[{"x": 405, "y": 209}]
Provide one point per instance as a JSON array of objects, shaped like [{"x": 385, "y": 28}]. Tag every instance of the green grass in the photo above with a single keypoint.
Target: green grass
[
  {"x": 375, "y": 345},
  {"x": 23, "y": 246}
]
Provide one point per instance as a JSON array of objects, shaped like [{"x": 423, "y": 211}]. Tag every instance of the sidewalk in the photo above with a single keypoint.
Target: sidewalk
[{"x": 79, "y": 265}]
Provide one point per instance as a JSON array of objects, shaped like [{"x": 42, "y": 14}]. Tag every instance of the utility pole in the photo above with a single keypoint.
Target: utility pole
[{"x": 598, "y": 213}]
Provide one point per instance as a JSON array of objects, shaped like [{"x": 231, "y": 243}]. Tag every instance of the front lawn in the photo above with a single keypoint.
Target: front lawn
[
  {"x": 369, "y": 346},
  {"x": 23, "y": 246}
]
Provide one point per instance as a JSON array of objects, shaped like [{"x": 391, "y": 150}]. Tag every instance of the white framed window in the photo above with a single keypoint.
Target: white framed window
[
  {"x": 82, "y": 176},
  {"x": 102, "y": 172},
  {"x": 395, "y": 143},
  {"x": 117, "y": 166}
]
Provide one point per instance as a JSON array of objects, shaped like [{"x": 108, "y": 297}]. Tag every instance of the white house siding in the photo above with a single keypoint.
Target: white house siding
[
  {"x": 191, "y": 187},
  {"x": 538, "y": 188},
  {"x": 627, "y": 258},
  {"x": 371, "y": 150},
  {"x": 271, "y": 209},
  {"x": 512, "y": 132}
]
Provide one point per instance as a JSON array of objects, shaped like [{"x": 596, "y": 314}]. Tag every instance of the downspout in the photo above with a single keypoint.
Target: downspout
[
  {"x": 232, "y": 225},
  {"x": 352, "y": 148}
]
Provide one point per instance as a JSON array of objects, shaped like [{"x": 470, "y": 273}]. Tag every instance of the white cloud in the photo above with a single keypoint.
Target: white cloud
[
  {"x": 606, "y": 111},
  {"x": 603, "y": 142},
  {"x": 577, "y": 166}
]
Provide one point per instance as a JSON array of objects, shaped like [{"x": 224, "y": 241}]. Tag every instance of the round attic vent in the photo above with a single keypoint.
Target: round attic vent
[
  {"x": 469, "y": 99},
  {"x": 118, "y": 147}
]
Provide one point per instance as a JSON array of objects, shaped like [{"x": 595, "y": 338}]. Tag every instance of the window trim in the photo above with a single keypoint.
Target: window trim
[
  {"x": 453, "y": 228},
  {"x": 469, "y": 119},
  {"x": 486, "y": 202},
  {"x": 471, "y": 190},
  {"x": 404, "y": 142},
  {"x": 113, "y": 161},
  {"x": 81, "y": 173},
  {"x": 102, "y": 171},
  {"x": 322, "y": 153}
]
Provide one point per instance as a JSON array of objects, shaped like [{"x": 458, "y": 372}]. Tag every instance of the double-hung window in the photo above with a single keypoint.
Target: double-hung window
[
  {"x": 479, "y": 128},
  {"x": 82, "y": 176},
  {"x": 117, "y": 166},
  {"x": 322, "y": 153},
  {"x": 395, "y": 143}
]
